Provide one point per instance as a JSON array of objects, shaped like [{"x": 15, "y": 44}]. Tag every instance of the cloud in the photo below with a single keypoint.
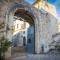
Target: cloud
[
  {"x": 57, "y": 4},
  {"x": 30, "y": 1}
]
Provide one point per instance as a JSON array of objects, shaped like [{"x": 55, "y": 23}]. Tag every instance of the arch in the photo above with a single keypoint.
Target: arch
[
  {"x": 26, "y": 8},
  {"x": 16, "y": 6},
  {"x": 26, "y": 15},
  {"x": 12, "y": 9}
]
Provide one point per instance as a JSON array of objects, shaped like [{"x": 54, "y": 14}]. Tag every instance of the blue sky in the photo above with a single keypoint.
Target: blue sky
[
  {"x": 54, "y": 2},
  {"x": 57, "y": 4}
]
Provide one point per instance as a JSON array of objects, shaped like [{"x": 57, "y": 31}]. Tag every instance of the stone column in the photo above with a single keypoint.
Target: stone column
[
  {"x": 8, "y": 53},
  {"x": 37, "y": 39}
]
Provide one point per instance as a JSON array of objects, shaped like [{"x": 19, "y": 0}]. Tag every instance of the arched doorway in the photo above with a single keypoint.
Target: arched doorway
[
  {"x": 24, "y": 31},
  {"x": 29, "y": 15}
]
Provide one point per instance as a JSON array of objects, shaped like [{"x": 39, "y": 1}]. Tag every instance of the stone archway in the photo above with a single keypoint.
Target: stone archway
[
  {"x": 45, "y": 23},
  {"x": 33, "y": 15}
]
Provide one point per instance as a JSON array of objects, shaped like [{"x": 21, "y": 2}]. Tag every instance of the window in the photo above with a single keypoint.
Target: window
[
  {"x": 17, "y": 25},
  {"x": 24, "y": 41},
  {"x": 29, "y": 40},
  {"x": 23, "y": 32}
]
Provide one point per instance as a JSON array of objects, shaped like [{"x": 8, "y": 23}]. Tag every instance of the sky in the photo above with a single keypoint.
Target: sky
[
  {"x": 54, "y": 2},
  {"x": 57, "y": 4}
]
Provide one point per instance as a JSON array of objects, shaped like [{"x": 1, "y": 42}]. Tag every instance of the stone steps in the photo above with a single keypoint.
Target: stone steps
[
  {"x": 19, "y": 49},
  {"x": 18, "y": 53}
]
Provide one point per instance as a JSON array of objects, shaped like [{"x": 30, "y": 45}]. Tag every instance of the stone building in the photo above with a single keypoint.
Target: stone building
[
  {"x": 44, "y": 23},
  {"x": 43, "y": 4}
]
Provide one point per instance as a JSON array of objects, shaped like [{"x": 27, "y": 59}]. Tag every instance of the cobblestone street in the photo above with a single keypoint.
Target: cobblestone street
[{"x": 36, "y": 57}]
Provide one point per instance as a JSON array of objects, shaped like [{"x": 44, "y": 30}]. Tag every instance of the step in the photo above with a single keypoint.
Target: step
[{"x": 19, "y": 49}]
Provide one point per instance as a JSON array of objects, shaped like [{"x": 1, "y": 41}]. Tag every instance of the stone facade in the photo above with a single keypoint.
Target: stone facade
[
  {"x": 43, "y": 4},
  {"x": 45, "y": 23}
]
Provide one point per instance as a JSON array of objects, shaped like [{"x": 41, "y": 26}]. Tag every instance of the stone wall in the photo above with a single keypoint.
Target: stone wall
[{"x": 45, "y": 23}]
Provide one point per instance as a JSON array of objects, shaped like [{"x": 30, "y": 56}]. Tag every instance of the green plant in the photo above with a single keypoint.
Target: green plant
[
  {"x": 57, "y": 48},
  {"x": 4, "y": 45}
]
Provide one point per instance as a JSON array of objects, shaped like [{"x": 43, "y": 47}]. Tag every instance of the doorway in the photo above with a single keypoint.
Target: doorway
[{"x": 24, "y": 37}]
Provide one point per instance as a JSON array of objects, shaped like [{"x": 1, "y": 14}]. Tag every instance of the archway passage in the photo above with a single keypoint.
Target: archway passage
[
  {"x": 26, "y": 15},
  {"x": 24, "y": 37}
]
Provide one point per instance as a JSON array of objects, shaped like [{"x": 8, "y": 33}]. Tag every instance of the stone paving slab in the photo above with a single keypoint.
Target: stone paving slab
[{"x": 38, "y": 57}]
